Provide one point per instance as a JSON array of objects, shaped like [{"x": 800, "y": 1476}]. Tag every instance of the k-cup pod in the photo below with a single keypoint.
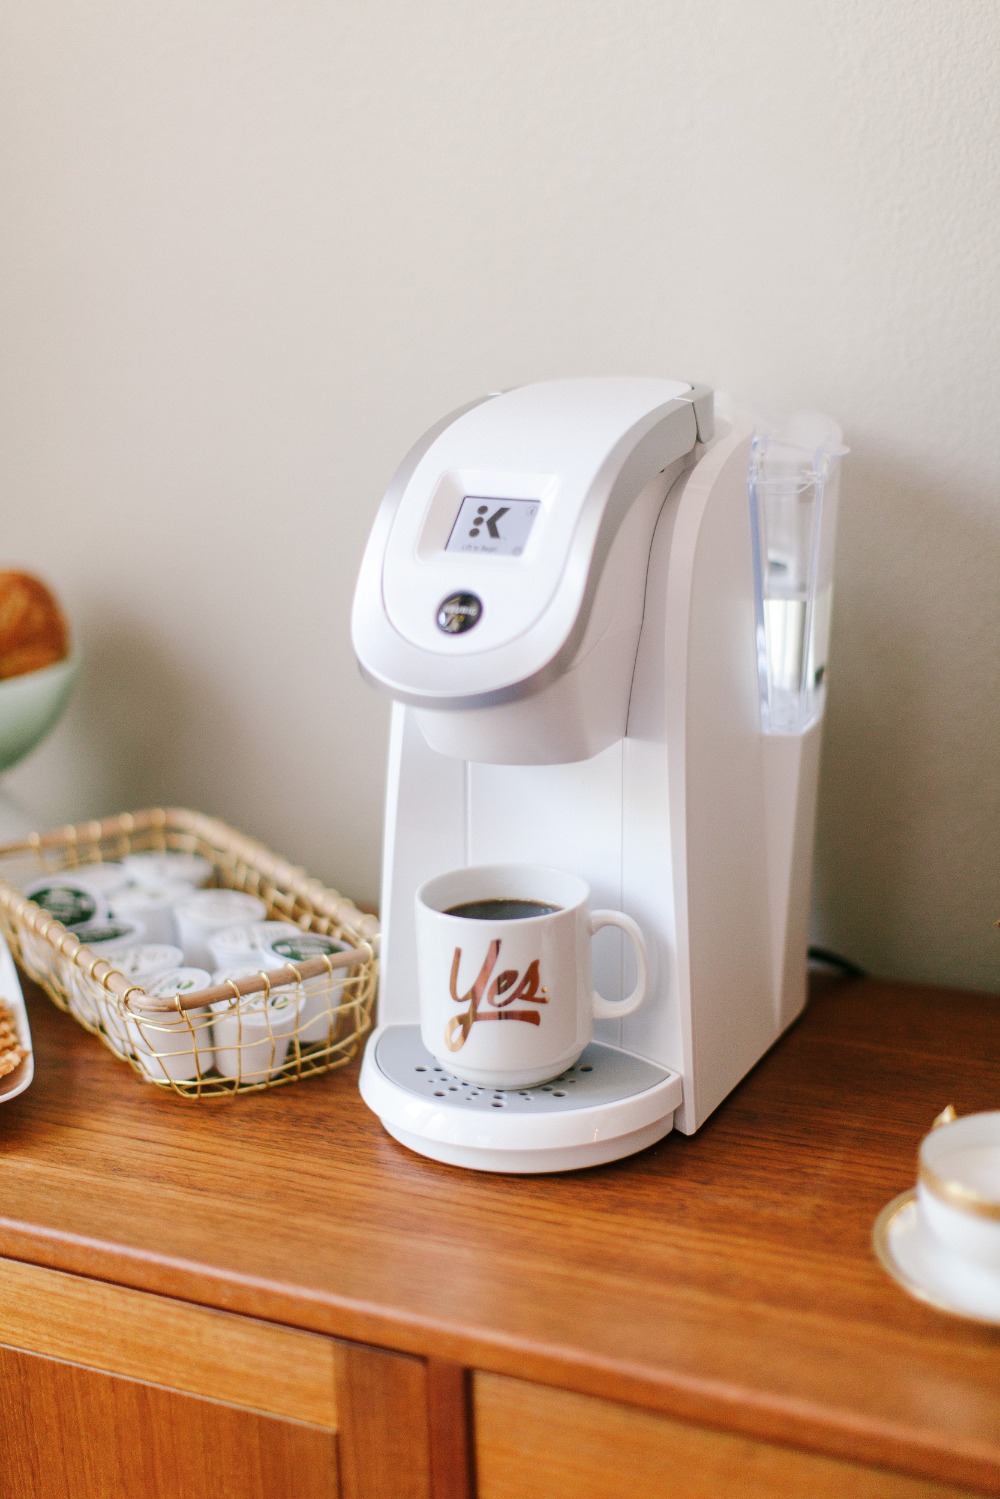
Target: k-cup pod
[
  {"x": 105, "y": 879},
  {"x": 293, "y": 945},
  {"x": 235, "y": 946},
  {"x": 251, "y": 1035},
  {"x": 64, "y": 898},
  {"x": 148, "y": 960},
  {"x": 318, "y": 1018},
  {"x": 958, "y": 1187},
  {"x": 209, "y": 911},
  {"x": 155, "y": 866},
  {"x": 185, "y": 979},
  {"x": 114, "y": 935},
  {"x": 153, "y": 904},
  {"x": 139, "y": 965},
  {"x": 173, "y": 1044},
  {"x": 70, "y": 900},
  {"x": 109, "y": 940}
]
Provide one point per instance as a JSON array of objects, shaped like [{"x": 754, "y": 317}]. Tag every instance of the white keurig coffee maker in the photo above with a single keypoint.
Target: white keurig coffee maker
[{"x": 602, "y": 617}]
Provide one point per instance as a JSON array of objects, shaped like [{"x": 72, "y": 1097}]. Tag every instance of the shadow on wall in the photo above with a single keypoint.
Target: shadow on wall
[
  {"x": 137, "y": 732},
  {"x": 149, "y": 726},
  {"x": 908, "y": 835}
]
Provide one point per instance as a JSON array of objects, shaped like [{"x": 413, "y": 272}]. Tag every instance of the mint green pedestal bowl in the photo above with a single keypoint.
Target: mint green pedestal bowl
[{"x": 30, "y": 706}]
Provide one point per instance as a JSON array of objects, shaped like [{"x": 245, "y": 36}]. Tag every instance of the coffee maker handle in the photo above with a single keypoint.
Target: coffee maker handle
[{"x": 611, "y": 1009}]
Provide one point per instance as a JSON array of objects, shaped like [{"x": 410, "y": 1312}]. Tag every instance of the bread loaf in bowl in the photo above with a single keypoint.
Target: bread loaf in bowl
[{"x": 33, "y": 630}]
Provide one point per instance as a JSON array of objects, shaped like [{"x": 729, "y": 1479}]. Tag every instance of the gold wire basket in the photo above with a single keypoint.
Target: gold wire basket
[{"x": 247, "y": 1034}]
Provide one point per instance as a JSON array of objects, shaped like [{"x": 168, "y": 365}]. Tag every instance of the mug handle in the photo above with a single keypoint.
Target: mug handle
[{"x": 614, "y": 1009}]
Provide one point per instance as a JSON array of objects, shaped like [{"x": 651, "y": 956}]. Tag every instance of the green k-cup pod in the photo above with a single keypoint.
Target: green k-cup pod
[
  {"x": 96, "y": 933},
  {"x": 71, "y": 904},
  {"x": 300, "y": 949}
]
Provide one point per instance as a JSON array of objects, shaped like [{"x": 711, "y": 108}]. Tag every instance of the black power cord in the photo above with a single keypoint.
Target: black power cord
[{"x": 828, "y": 959}]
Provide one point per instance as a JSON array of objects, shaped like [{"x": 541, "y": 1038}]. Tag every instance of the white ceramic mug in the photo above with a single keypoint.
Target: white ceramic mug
[
  {"x": 518, "y": 954},
  {"x": 958, "y": 1190}
]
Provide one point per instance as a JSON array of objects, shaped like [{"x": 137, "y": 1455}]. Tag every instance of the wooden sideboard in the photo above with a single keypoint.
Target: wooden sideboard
[{"x": 268, "y": 1297}]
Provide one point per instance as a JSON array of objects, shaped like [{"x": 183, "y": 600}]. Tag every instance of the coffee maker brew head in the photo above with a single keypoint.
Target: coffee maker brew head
[{"x": 501, "y": 591}]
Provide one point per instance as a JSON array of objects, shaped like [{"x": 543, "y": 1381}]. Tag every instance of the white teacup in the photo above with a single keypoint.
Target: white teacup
[
  {"x": 511, "y": 943},
  {"x": 958, "y": 1187}
]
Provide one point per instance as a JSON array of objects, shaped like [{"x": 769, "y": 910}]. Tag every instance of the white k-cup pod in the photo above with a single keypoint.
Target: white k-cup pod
[
  {"x": 318, "y": 996},
  {"x": 148, "y": 960},
  {"x": 139, "y": 965},
  {"x": 70, "y": 900},
  {"x": 958, "y": 1187},
  {"x": 105, "y": 879},
  {"x": 155, "y": 866},
  {"x": 252, "y": 1036},
  {"x": 153, "y": 904},
  {"x": 293, "y": 945},
  {"x": 173, "y": 1044},
  {"x": 107, "y": 940},
  {"x": 209, "y": 911},
  {"x": 113, "y": 935},
  {"x": 236, "y": 946}
]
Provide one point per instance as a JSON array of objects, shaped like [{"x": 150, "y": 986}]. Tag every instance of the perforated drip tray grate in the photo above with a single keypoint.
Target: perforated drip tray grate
[{"x": 602, "y": 1075}]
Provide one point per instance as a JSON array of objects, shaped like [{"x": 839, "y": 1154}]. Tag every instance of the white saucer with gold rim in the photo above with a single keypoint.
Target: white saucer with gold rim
[{"x": 941, "y": 1240}]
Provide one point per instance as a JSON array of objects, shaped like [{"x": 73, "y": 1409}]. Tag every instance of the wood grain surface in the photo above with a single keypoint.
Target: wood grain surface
[
  {"x": 726, "y": 1279},
  {"x": 71, "y": 1433},
  {"x": 278, "y": 1370},
  {"x": 533, "y": 1443},
  {"x": 384, "y": 1451},
  {"x": 450, "y": 1425}
]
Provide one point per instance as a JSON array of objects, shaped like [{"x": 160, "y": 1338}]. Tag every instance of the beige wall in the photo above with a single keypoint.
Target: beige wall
[{"x": 251, "y": 248}]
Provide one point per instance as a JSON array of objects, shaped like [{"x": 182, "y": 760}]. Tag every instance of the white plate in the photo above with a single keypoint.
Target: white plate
[
  {"x": 10, "y": 992},
  {"x": 922, "y": 1265}
]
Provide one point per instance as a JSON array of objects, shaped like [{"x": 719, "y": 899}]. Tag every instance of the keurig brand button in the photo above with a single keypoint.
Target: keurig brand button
[{"x": 459, "y": 612}]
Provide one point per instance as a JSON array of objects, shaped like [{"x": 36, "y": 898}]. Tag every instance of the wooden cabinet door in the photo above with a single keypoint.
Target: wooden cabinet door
[
  {"x": 533, "y": 1442},
  {"x": 109, "y": 1393},
  {"x": 69, "y": 1432}
]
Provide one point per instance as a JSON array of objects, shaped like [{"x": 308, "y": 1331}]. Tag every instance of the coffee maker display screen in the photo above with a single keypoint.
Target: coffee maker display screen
[{"x": 499, "y": 528}]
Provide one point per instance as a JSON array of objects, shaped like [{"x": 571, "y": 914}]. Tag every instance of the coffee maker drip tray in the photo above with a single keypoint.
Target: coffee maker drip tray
[{"x": 608, "y": 1105}]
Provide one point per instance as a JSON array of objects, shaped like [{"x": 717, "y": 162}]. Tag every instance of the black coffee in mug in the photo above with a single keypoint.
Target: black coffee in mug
[{"x": 501, "y": 909}]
